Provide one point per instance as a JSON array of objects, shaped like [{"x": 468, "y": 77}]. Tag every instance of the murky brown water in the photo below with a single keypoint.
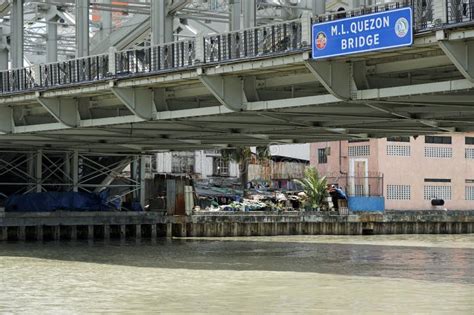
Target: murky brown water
[{"x": 305, "y": 274}]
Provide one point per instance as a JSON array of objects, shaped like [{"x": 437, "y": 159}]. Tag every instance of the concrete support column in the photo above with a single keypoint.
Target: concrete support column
[
  {"x": 75, "y": 171},
  {"x": 318, "y": 7},
  {"x": 249, "y": 11},
  {"x": 3, "y": 51},
  {"x": 90, "y": 232},
  {"x": 82, "y": 28},
  {"x": 56, "y": 232},
  {"x": 39, "y": 233},
  {"x": 138, "y": 231},
  {"x": 142, "y": 177},
  {"x": 235, "y": 227},
  {"x": 4, "y": 233},
  {"x": 73, "y": 235},
  {"x": 161, "y": 23},
  {"x": 21, "y": 233},
  {"x": 154, "y": 232},
  {"x": 235, "y": 7},
  {"x": 106, "y": 232},
  {"x": 169, "y": 230},
  {"x": 39, "y": 170},
  {"x": 16, "y": 38},
  {"x": 123, "y": 232},
  {"x": 52, "y": 40}
]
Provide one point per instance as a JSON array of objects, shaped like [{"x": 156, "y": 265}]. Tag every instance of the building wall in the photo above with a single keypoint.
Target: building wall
[{"x": 405, "y": 168}]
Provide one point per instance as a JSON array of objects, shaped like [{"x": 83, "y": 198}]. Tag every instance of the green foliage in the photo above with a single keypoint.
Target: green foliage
[{"x": 314, "y": 187}]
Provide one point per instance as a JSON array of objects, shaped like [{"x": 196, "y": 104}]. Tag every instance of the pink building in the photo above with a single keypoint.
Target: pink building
[{"x": 407, "y": 171}]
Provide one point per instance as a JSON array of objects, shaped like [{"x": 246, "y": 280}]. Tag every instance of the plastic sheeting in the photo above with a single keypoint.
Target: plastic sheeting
[{"x": 54, "y": 201}]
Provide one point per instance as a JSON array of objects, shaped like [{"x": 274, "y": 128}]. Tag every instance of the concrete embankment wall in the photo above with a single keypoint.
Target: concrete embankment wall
[{"x": 106, "y": 225}]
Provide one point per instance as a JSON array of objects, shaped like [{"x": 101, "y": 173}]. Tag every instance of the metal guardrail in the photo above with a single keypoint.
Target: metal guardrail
[
  {"x": 260, "y": 41},
  {"x": 266, "y": 40},
  {"x": 459, "y": 11}
]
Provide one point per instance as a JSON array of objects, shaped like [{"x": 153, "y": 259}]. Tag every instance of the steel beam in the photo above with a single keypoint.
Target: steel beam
[
  {"x": 161, "y": 22},
  {"x": 16, "y": 38},
  {"x": 82, "y": 28},
  {"x": 228, "y": 90},
  {"x": 461, "y": 54},
  {"x": 235, "y": 8},
  {"x": 335, "y": 76},
  {"x": 39, "y": 171},
  {"x": 3, "y": 51},
  {"x": 249, "y": 10},
  {"x": 138, "y": 100},
  {"x": 52, "y": 40},
  {"x": 64, "y": 110}
]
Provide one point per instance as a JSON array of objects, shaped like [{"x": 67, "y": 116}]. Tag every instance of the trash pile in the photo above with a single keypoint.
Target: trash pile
[{"x": 227, "y": 196}]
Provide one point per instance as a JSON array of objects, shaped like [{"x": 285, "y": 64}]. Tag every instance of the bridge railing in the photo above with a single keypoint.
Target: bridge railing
[
  {"x": 459, "y": 11},
  {"x": 86, "y": 69},
  {"x": 158, "y": 58},
  {"x": 16, "y": 80},
  {"x": 254, "y": 42}
]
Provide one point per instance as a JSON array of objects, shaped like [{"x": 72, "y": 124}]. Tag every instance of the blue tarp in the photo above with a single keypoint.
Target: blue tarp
[{"x": 54, "y": 201}]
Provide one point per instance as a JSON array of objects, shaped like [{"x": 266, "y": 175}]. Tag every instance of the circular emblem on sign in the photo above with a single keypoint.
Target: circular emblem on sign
[
  {"x": 402, "y": 27},
  {"x": 321, "y": 40}
]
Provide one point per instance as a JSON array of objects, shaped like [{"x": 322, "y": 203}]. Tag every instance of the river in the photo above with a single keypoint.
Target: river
[{"x": 286, "y": 274}]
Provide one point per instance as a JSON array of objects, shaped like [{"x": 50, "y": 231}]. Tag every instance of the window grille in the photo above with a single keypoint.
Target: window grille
[
  {"x": 398, "y": 192},
  {"x": 438, "y": 152},
  {"x": 322, "y": 156},
  {"x": 437, "y": 192},
  {"x": 469, "y": 192},
  {"x": 360, "y": 150},
  {"x": 398, "y": 150},
  {"x": 469, "y": 153}
]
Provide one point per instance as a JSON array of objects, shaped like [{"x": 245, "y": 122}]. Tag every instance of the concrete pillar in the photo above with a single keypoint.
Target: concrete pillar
[
  {"x": 318, "y": 7},
  {"x": 75, "y": 171},
  {"x": 82, "y": 28},
  {"x": 142, "y": 176},
  {"x": 235, "y": 229},
  {"x": 123, "y": 232},
  {"x": 169, "y": 230},
  {"x": 56, "y": 232},
  {"x": 52, "y": 40},
  {"x": 39, "y": 233},
  {"x": 39, "y": 170},
  {"x": 21, "y": 233},
  {"x": 90, "y": 232},
  {"x": 4, "y": 233},
  {"x": 73, "y": 233},
  {"x": 183, "y": 230},
  {"x": 161, "y": 23},
  {"x": 16, "y": 31},
  {"x": 235, "y": 7},
  {"x": 106, "y": 232},
  {"x": 138, "y": 231},
  {"x": 3, "y": 51},
  {"x": 299, "y": 228},
  {"x": 154, "y": 232},
  {"x": 249, "y": 11}
]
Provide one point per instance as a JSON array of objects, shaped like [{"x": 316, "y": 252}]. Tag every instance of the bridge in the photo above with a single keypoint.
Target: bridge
[{"x": 249, "y": 87}]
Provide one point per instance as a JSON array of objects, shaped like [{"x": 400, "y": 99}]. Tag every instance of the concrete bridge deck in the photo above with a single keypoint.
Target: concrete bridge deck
[{"x": 251, "y": 87}]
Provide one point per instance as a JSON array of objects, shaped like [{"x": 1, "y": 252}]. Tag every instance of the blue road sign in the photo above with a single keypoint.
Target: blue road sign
[{"x": 376, "y": 31}]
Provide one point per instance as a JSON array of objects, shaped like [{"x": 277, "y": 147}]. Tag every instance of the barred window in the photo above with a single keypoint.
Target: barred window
[
  {"x": 398, "y": 192},
  {"x": 398, "y": 150},
  {"x": 360, "y": 150},
  {"x": 220, "y": 167},
  {"x": 437, "y": 192},
  {"x": 438, "y": 152},
  {"x": 398, "y": 139},
  {"x": 469, "y": 153},
  {"x": 438, "y": 139},
  {"x": 322, "y": 156},
  {"x": 469, "y": 192},
  {"x": 469, "y": 140}
]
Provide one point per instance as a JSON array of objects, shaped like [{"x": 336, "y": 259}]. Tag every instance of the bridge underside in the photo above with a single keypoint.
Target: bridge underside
[{"x": 424, "y": 89}]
